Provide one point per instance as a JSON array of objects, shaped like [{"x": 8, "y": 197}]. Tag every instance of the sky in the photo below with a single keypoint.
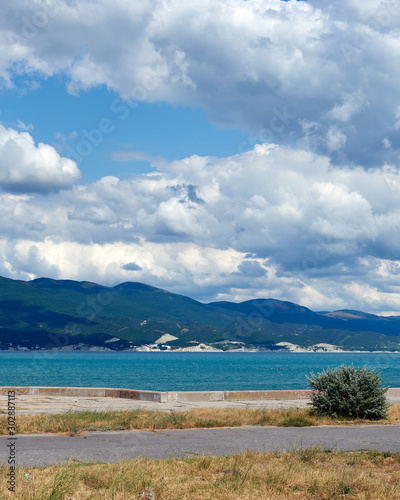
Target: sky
[{"x": 224, "y": 149}]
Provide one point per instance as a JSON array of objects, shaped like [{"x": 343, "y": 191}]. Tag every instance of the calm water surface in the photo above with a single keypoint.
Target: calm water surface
[{"x": 182, "y": 371}]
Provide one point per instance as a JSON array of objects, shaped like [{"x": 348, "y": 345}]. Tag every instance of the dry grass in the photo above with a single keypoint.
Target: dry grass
[
  {"x": 79, "y": 422},
  {"x": 298, "y": 475}
]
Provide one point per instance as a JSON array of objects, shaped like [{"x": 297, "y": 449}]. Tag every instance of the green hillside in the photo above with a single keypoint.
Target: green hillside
[
  {"x": 44, "y": 311},
  {"x": 48, "y": 313}
]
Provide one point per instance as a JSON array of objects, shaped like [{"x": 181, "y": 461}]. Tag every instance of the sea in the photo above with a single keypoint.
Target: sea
[{"x": 191, "y": 371}]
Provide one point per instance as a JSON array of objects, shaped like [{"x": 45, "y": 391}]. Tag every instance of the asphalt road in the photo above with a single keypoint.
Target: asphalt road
[{"x": 46, "y": 449}]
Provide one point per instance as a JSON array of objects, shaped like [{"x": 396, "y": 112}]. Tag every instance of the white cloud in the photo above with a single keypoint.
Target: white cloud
[
  {"x": 21, "y": 125},
  {"x": 245, "y": 62},
  {"x": 335, "y": 140},
  {"x": 352, "y": 104},
  {"x": 276, "y": 221},
  {"x": 25, "y": 167},
  {"x": 132, "y": 156}
]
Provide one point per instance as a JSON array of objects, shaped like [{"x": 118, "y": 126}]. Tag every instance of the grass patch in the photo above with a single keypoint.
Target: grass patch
[
  {"x": 79, "y": 422},
  {"x": 298, "y": 421},
  {"x": 298, "y": 475}
]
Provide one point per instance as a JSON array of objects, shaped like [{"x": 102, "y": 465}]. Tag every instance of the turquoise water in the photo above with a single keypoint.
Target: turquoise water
[{"x": 182, "y": 371}]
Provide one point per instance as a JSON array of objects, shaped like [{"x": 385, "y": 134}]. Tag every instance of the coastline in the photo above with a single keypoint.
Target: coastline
[{"x": 208, "y": 349}]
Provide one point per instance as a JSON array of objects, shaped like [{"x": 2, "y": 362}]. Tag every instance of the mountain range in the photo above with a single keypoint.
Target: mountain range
[{"x": 47, "y": 314}]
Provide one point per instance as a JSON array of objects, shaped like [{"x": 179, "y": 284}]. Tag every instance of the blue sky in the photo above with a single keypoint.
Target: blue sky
[
  {"x": 171, "y": 132},
  {"x": 226, "y": 150}
]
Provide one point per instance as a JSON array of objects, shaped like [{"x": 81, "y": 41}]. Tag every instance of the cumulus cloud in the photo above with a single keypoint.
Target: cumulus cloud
[
  {"x": 276, "y": 221},
  {"x": 268, "y": 67},
  {"x": 25, "y": 167}
]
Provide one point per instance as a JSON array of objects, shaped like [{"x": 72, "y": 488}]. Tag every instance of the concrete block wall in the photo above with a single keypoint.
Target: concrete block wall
[
  {"x": 168, "y": 397},
  {"x": 265, "y": 395},
  {"x": 88, "y": 392}
]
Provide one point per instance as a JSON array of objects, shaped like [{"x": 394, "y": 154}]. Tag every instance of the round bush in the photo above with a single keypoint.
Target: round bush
[{"x": 349, "y": 392}]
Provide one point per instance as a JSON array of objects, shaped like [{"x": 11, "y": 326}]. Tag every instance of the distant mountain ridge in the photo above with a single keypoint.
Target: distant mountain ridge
[
  {"x": 48, "y": 313},
  {"x": 287, "y": 312}
]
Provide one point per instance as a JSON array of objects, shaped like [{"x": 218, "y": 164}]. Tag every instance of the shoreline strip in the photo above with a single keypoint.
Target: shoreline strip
[{"x": 168, "y": 397}]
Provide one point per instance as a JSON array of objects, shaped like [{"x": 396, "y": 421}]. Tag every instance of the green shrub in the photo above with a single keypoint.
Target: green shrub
[{"x": 349, "y": 392}]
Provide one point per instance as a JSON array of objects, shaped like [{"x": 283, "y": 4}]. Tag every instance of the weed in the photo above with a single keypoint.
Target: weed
[
  {"x": 297, "y": 421},
  {"x": 177, "y": 419}
]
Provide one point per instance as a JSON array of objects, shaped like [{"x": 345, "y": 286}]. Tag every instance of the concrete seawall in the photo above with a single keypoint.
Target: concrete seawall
[
  {"x": 89, "y": 392},
  {"x": 168, "y": 397}
]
